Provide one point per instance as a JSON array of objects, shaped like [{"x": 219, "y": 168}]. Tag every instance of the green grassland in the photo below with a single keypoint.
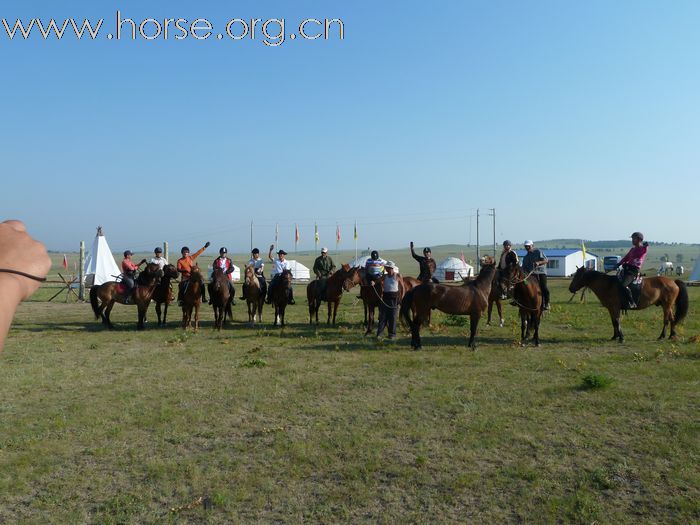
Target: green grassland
[{"x": 323, "y": 425}]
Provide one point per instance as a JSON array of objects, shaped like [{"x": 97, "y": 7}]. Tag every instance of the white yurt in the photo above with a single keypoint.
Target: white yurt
[
  {"x": 100, "y": 266},
  {"x": 359, "y": 261},
  {"x": 453, "y": 269},
  {"x": 299, "y": 271}
]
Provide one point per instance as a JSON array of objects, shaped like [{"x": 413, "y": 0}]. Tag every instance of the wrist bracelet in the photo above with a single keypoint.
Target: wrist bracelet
[{"x": 28, "y": 276}]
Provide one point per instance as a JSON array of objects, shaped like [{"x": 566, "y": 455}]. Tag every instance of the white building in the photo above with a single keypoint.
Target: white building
[{"x": 564, "y": 262}]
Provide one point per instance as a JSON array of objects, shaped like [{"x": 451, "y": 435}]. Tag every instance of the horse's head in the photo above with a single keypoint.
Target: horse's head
[
  {"x": 286, "y": 276},
  {"x": 151, "y": 274},
  {"x": 249, "y": 273},
  {"x": 170, "y": 271},
  {"x": 577, "y": 281},
  {"x": 196, "y": 274},
  {"x": 352, "y": 277},
  {"x": 487, "y": 260}
]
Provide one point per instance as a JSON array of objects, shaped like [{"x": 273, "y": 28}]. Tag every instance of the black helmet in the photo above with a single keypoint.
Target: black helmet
[
  {"x": 639, "y": 235},
  {"x": 255, "y": 250},
  {"x": 128, "y": 252},
  {"x": 507, "y": 243},
  {"x": 223, "y": 250},
  {"x": 158, "y": 249},
  {"x": 374, "y": 254},
  {"x": 427, "y": 250},
  {"x": 184, "y": 249}
]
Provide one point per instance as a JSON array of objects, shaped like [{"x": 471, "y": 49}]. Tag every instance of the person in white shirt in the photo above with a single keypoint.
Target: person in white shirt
[
  {"x": 279, "y": 265},
  {"x": 258, "y": 267},
  {"x": 159, "y": 259},
  {"x": 389, "y": 307}
]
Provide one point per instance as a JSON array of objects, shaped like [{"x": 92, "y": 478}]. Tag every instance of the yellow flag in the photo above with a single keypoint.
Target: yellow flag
[{"x": 583, "y": 249}]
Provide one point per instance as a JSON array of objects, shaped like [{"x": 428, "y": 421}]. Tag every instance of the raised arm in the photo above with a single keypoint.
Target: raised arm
[
  {"x": 269, "y": 253},
  {"x": 413, "y": 254}
]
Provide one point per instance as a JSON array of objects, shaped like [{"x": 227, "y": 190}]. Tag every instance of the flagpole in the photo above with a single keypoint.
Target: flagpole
[{"x": 355, "y": 235}]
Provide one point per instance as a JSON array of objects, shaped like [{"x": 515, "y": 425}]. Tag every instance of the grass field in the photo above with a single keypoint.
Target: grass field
[{"x": 258, "y": 424}]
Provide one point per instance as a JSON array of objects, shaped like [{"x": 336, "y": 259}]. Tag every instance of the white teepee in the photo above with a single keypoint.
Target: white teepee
[{"x": 100, "y": 266}]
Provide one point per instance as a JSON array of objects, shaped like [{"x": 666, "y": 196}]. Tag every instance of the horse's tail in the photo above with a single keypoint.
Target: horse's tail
[
  {"x": 94, "y": 303},
  {"x": 406, "y": 304},
  {"x": 681, "y": 301}
]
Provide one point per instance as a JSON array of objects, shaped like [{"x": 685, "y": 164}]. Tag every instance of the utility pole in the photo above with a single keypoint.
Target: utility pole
[
  {"x": 478, "y": 260},
  {"x": 81, "y": 272},
  {"x": 251, "y": 235},
  {"x": 493, "y": 214}
]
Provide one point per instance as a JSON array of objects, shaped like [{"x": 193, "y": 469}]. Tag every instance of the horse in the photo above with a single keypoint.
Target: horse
[
  {"x": 103, "y": 297},
  {"x": 220, "y": 297},
  {"x": 658, "y": 291},
  {"x": 527, "y": 296},
  {"x": 253, "y": 295},
  {"x": 192, "y": 299},
  {"x": 495, "y": 297},
  {"x": 163, "y": 294},
  {"x": 280, "y": 295},
  {"x": 343, "y": 279},
  {"x": 471, "y": 298}
]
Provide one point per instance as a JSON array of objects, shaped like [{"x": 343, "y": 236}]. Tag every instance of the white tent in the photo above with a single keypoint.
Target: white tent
[
  {"x": 100, "y": 266},
  {"x": 299, "y": 271},
  {"x": 453, "y": 269},
  {"x": 695, "y": 274}
]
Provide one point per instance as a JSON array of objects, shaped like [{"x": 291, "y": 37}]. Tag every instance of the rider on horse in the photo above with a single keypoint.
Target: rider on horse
[
  {"x": 535, "y": 263},
  {"x": 508, "y": 256},
  {"x": 323, "y": 269},
  {"x": 225, "y": 264},
  {"x": 632, "y": 266},
  {"x": 129, "y": 274},
  {"x": 426, "y": 263},
  {"x": 280, "y": 265},
  {"x": 158, "y": 257},
  {"x": 258, "y": 266},
  {"x": 374, "y": 268},
  {"x": 184, "y": 266}
]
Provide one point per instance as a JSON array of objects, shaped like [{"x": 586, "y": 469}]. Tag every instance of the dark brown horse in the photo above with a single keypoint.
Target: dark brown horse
[
  {"x": 344, "y": 279},
  {"x": 280, "y": 295},
  {"x": 527, "y": 296},
  {"x": 658, "y": 291},
  {"x": 163, "y": 294},
  {"x": 469, "y": 299},
  {"x": 220, "y": 297},
  {"x": 253, "y": 295},
  {"x": 103, "y": 297},
  {"x": 192, "y": 299}
]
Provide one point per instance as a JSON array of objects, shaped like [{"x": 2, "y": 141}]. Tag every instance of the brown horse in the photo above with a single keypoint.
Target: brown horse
[
  {"x": 280, "y": 295},
  {"x": 103, "y": 297},
  {"x": 220, "y": 297},
  {"x": 163, "y": 294},
  {"x": 192, "y": 299},
  {"x": 469, "y": 299},
  {"x": 253, "y": 295},
  {"x": 658, "y": 291},
  {"x": 343, "y": 279},
  {"x": 527, "y": 295}
]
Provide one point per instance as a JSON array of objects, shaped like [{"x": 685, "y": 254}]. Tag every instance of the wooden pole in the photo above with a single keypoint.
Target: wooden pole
[
  {"x": 165, "y": 250},
  {"x": 81, "y": 272}
]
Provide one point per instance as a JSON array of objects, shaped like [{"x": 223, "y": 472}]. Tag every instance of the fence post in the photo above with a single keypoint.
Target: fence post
[
  {"x": 81, "y": 272},
  {"x": 165, "y": 250}
]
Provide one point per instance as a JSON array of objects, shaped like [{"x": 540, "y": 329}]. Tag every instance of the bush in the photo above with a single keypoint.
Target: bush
[{"x": 593, "y": 381}]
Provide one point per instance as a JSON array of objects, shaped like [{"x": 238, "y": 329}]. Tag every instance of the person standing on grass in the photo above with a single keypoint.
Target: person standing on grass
[
  {"x": 24, "y": 264},
  {"x": 184, "y": 266},
  {"x": 389, "y": 307},
  {"x": 535, "y": 262}
]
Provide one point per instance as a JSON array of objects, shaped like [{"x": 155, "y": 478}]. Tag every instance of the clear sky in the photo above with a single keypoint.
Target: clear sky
[{"x": 572, "y": 119}]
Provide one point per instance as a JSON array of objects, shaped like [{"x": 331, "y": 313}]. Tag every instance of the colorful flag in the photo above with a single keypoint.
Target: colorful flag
[
  {"x": 316, "y": 237},
  {"x": 277, "y": 233},
  {"x": 462, "y": 258},
  {"x": 355, "y": 234},
  {"x": 583, "y": 249},
  {"x": 65, "y": 262},
  {"x": 337, "y": 234},
  {"x": 296, "y": 233}
]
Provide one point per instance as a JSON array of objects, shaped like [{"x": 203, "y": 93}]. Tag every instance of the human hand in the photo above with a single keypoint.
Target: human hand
[
  {"x": 411, "y": 244},
  {"x": 18, "y": 251},
  {"x": 645, "y": 243},
  {"x": 142, "y": 262},
  {"x": 206, "y": 244},
  {"x": 272, "y": 247}
]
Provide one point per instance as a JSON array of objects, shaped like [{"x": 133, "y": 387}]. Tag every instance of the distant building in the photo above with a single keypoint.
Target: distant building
[{"x": 564, "y": 262}]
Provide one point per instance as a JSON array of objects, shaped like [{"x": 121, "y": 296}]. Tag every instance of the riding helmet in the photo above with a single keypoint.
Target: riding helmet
[
  {"x": 374, "y": 254},
  {"x": 223, "y": 250},
  {"x": 128, "y": 252},
  {"x": 184, "y": 249},
  {"x": 639, "y": 235},
  {"x": 507, "y": 243},
  {"x": 427, "y": 250},
  {"x": 158, "y": 249},
  {"x": 255, "y": 250}
]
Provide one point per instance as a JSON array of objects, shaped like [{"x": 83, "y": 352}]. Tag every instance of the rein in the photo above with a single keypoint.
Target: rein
[{"x": 27, "y": 275}]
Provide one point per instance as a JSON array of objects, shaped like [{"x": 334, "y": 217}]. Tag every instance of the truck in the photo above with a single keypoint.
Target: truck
[{"x": 610, "y": 262}]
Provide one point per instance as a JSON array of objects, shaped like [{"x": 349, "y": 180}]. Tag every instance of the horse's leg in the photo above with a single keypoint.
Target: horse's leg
[
  {"x": 141, "y": 316},
  {"x": 473, "y": 323},
  {"x": 107, "y": 311},
  {"x": 335, "y": 309},
  {"x": 536, "y": 322},
  {"x": 282, "y": 309},
  {"x": 157, "y": 308},
  {"x": 196, "y": 316},
  {"x": 370, "y": 319},
  {"x": 165, "y": 313},
  {"x": 615, "y": 319},
  {"x": 523, "y": 327},
  {"x": 668, "y": 319},
  {"x": 499, "y": 306},
  {"x": 488, "y": 313}
]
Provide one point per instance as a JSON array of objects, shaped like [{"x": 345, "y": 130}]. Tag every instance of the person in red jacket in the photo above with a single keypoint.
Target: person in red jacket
[
  {"x": 632, "y": 264},
  {"x": 225, "y": 264}
]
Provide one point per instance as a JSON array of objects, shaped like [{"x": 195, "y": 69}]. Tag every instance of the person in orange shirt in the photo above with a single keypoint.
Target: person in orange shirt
[{"x": 184, "y": 266}]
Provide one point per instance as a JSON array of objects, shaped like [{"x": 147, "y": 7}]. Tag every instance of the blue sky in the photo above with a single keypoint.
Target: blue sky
[{"x": 572, "y": 119}]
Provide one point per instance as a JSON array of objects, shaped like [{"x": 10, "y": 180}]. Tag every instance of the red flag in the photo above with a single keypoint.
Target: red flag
[
  {"x": 296, "y": 233},
  {"x": 462, "y": 257},
  {"x": 337, "y": 234},
  {"x": 65, "y": 262}
]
